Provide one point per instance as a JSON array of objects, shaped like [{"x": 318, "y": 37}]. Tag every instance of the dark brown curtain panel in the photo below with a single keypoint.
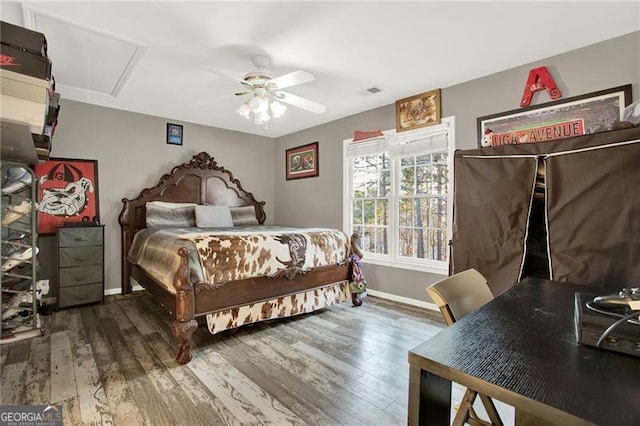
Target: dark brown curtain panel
[
  {"x": 593, "y": 207},
  {"x": 492, "y": 198}
]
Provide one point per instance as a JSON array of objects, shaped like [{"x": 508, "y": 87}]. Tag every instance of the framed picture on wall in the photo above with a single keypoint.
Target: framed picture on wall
[
  {"x": 174, "y": 134},
  {"x": 564, "y": 118},
  {"x": 67, "y": 193},
  {"x": 418, "y": 111},
  {"x": 302, "y": 161}
]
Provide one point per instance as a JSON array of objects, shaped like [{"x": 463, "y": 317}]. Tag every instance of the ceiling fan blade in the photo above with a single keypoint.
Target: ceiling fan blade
[
  {"x": 291, "y": 79},
  {"x": 223, "y": 73},
  {"x": 299, "y": 102},
  {"x": 242, "y": 93}
]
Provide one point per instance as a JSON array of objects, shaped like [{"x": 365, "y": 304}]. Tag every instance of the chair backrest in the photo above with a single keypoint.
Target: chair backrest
[{"x": 460, "y": 294}]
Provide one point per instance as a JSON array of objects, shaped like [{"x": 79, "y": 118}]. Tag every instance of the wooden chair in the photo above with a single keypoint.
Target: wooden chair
[{"x": 456, "y": 296}]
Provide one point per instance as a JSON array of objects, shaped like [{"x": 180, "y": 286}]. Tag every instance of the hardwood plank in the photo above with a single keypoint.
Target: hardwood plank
[
  {"x": 372, "y": 349},
  {"x": 12, "y": 383},
  {"x": 167, "y": 387},
  {"x": 242, "y": 411},
  {"x": 92, "y": 400},
  {"x": 209, "y": 406},
  {"x": 326, "y": 401},
  {"x": 241, "y": 393},
  {"x": 63, "y": 380},
  {"x": 17, "y": 352},
  {"x": 117, "y": 315},
  {"x": 333, "y": 379},
  {"x": 71, "y": 412},
  {"x": 150, "y": 404},
  {"x": 268, "y": 404},
  {"x": 141, "y": 322},
  {"x": 59, "y": 321},
  {"x": 90, "y": 395},
  {"x": 117, "y": 392},
  {"x": 297, "y": 396},
  {"x": 38, "y": 375}
]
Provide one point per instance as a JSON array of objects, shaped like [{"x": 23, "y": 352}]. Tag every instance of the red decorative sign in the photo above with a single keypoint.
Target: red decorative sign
[
  {"x": 547, "y": 133},
  {"x": 539, "y": 79},
  {"x": 359, "y": 135}
]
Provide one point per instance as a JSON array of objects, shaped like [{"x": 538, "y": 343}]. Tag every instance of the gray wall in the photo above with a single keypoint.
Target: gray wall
[
  {"x": 132, "y": 154},
  {"x": 318, "y": 201}
]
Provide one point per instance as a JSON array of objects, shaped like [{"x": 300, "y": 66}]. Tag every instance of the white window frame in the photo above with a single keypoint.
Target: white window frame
[{"x": 447, "y": 125}]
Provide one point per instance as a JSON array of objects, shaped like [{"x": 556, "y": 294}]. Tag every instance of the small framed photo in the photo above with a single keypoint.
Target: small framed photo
[
  {"x": 418, "y": 111},
  {"x": 174, "y": 134},
  {"x": 302, "y": 161}
]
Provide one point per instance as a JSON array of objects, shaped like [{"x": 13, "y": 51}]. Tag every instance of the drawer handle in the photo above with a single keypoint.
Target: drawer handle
[
  {"x": 82, "y": 239},
  {"x": 81, "y": 296},
  {"x": 82, "y": 259},
  {"x": 81, "y": 278}
]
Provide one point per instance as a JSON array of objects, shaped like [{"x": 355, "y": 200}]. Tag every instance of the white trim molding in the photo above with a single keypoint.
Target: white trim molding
[
  {"x": 401, "y": 299},
  {"x": 112, "y": 291}
]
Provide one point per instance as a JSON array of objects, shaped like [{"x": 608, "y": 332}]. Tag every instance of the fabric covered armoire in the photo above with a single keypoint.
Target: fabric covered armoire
[{"x": 566, "y": 210}]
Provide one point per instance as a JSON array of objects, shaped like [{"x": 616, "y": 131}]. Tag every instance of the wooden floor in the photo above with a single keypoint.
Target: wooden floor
[{"x": 114, "y": 364}]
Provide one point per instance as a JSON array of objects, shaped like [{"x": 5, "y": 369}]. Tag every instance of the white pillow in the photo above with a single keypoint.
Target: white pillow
[{"x": 212, "y": 216}]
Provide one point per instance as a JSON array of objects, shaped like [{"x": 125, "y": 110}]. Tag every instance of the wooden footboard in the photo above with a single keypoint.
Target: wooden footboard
[{"x": 201, "y": 299}]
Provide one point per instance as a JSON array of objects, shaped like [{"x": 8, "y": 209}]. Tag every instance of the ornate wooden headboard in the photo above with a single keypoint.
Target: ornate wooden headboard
[{"x": 199, "y": 181}]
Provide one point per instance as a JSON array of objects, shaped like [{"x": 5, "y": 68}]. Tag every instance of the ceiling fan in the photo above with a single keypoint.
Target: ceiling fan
[{"x": 266, "y": 92}]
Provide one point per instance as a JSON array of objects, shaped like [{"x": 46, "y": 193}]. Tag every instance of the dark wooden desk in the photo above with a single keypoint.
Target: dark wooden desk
[{"x": 521, "y": 349}]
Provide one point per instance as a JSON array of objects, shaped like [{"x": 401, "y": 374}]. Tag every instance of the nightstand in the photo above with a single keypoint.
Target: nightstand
[{"x": 80, "y": 254}]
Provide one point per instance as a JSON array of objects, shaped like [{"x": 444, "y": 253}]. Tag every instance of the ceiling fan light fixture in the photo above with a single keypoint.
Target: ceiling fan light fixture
[
  {"x": 262, "y": 117},
  {"x": 258, "y": 104},
  {"x": 277, "y": 109},
  {"x": 244, "y": 111}
]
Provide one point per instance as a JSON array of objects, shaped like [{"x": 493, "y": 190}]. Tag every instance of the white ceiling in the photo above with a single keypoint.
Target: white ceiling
[{"x": 402, "y": 48}]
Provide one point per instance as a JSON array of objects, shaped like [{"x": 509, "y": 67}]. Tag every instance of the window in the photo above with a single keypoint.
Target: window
[{"x": 398, "y": 196}]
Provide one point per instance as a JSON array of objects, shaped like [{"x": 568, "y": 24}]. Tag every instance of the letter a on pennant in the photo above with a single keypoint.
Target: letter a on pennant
[{"x": 539, "y": 79}]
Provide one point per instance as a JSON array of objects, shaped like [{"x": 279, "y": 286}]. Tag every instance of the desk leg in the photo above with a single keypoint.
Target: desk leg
[{"x": 429, "y": 398}]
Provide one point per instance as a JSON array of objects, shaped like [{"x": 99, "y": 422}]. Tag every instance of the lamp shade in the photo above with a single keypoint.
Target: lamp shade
[
  {"x": 262, "y": 106},
  {"x": 277, "y": 109},
  {"x": 258, "y": 104}
]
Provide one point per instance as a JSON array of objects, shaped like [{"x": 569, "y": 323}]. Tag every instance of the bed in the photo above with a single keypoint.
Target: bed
[{"x": 224, "y": 274}]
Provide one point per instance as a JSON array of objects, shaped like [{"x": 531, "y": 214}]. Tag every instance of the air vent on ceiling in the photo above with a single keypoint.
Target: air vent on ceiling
[
  {"x": 83, "y": 57},
  {"x": 370, "y": 91}
]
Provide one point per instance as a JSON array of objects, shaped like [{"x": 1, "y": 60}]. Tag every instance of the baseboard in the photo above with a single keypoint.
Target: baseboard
[
  {"x": 374, "y": 293},
  {"x": 401, "y": 299},
  {"x": 112, "y": 291}
]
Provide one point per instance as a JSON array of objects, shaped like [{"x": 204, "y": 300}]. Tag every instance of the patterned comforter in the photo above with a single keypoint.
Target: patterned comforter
[{"x": 219, "y": 255}]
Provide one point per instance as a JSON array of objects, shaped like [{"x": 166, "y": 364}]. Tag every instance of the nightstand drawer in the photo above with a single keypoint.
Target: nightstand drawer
[
  {"x": 80, "y": 236},
  {"x": 79, "y": 256},
  {"x": 70, "y": 296},
  {"x": 80, "y": 275}
]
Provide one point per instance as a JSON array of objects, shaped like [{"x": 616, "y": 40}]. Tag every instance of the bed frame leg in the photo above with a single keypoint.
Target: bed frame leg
[
  {"x": 185, "y": 324},
  {"x": 183, "y": 331}
]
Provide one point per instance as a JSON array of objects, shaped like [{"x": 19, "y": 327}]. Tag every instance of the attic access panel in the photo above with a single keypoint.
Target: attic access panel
[{"x": 83, "y": 57}]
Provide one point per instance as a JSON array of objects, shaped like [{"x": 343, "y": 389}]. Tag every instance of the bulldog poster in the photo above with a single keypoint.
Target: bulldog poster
[{"x": 67, "y": 193}]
